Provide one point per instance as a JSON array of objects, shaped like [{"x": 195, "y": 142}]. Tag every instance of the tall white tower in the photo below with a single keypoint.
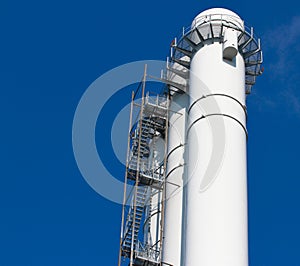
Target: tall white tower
[
  {"x": 222, "y": 59},
  {"x": 189, "y": 208},
  {"x": 216, "y": 221}
]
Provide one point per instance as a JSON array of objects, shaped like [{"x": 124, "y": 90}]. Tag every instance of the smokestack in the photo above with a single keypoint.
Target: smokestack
[{"x": 202, "y": 181}]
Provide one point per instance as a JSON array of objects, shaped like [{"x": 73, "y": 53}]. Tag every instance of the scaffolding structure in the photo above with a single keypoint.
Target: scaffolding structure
[{"x": 143, "y": 201}]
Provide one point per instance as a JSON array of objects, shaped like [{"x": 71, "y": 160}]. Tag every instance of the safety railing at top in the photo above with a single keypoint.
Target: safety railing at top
[
  {"x": 213, "y": 24},
  {"x": 232, "y": 22}
]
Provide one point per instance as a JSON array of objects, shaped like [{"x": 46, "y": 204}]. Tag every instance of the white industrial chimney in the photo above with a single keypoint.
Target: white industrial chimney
[
  {"x": 223, "y": 59},
  {"x": 202, "y": 219},
  {"x": 216, "y": 206}
]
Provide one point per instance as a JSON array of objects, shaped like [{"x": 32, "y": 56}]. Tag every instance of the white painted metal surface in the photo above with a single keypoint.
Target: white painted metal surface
[
  {"x": 174, "y": 181},
  {"x": 155, "y": 221},
  {"x": 230, "y": 44},
  {"x": 216, "y": 206},
  {"x": 156, "y": 158}
]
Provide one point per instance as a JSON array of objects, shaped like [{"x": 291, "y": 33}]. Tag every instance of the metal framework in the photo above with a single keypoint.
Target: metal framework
[
  {"x": 211, "y": 28},
  {"x": 143, "y": 201}
]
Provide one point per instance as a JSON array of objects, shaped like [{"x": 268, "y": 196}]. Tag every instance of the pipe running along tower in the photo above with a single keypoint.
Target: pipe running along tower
[{"x": 187, "y": 153}]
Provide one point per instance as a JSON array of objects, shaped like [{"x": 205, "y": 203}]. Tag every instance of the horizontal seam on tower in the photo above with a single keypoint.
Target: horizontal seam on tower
[
  {"x": 174, "y": 149},
  {"x": 197, "y": 120},
  {"x": 219, "y": 94},
  {"x": 173, "y": 169}
]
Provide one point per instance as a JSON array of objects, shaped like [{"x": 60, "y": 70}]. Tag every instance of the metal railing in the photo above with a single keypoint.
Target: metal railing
[{"x": 206, "y": 27}]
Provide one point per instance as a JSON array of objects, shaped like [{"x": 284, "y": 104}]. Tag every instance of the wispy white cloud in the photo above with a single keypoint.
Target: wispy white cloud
[
  {"x": 283, "y": 43},
  {"x": 282, "y": 50}
]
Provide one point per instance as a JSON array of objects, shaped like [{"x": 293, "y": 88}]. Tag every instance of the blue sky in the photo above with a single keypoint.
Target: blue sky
[{"x": 51, "y": 51}]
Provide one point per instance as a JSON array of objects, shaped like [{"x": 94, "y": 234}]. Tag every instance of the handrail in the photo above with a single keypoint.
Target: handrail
[{"x": 249, "y": 44}]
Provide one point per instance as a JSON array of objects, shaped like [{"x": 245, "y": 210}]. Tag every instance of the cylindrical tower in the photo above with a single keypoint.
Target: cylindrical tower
[
  {"x": 175, "y": 175},
  {"x": 224, "y": 59},
  {"x": 174, "y": 181},
  {"x": 216, "y": 232},
  {"x": 190, "y": 207}
]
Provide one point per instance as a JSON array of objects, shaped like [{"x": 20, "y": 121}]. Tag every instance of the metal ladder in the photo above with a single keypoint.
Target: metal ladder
[{"x": 133, "y": 227}]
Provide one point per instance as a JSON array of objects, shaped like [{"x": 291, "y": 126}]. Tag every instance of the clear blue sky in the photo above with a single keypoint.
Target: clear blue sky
[{"x": 50, "y": 53}]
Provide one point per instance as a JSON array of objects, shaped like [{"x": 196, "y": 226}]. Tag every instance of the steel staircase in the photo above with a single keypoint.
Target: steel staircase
[
  {"x": 133, "y": 223},
  {"x": 144, "y": 175},
  {"x": 149, "y": 126}
]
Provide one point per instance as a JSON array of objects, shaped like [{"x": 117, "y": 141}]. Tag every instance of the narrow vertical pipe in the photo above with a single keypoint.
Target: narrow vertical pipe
[
  {"x": 126, "y": 178},
  {"x": 174, "y": 180},
  {"x": 163, "y": 199}
]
